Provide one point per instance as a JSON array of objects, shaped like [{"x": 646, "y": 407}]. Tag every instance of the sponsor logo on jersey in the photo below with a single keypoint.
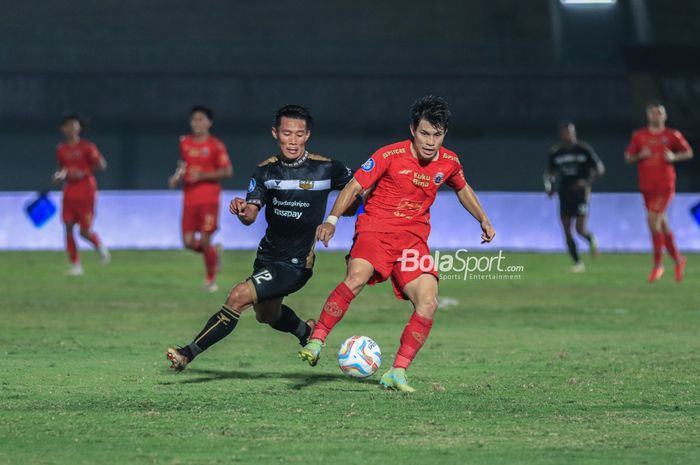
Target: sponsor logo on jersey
[
  {"x": 405, "y": 172},
  {"x": 439, "y": 177},
  {"x": 368, "y": 165},
  {"x": 306, "y": 184},
  {"x": 287, "y": 213},
  {"x": 251, "y": 185},
  {"x": 421, "y": 180},
  {"x": 290, "y": 203},
  {"x": 447, "y": 156},
  {"x": 389, "y": 153}
]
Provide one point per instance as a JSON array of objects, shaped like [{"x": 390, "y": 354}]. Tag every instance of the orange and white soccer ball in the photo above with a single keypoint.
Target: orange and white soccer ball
[{"x": 359, "y": 357}]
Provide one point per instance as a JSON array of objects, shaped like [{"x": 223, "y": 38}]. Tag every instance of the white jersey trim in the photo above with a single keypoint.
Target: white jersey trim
[{"x": 299, "y": 184}]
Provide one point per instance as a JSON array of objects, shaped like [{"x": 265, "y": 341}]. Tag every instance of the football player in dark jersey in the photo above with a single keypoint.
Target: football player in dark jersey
[
  {"x": 573, "y": 165},
  {"x": 294, "y": 187}
]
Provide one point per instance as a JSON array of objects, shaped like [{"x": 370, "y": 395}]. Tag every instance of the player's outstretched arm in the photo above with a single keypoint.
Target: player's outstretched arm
[
  {"x": 345, "y": 199},
  {"x": 246, "y": 212},
  {"x": 470, "y": 202}
]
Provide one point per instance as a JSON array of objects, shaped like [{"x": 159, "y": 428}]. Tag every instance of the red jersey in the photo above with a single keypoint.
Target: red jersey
[
  {"x": 83, "y": 157},
  {"x": 204, "y": 157},
  {"x": 405, "y": 188},
  {"x": 655, "y": 172}
]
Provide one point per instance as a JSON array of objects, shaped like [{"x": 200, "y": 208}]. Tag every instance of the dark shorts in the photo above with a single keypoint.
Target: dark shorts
[
  {"x": 572, "y": 205},
  {"x": 271, "y": 280}
]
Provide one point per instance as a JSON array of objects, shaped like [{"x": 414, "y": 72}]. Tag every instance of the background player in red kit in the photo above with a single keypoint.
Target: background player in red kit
[
  {"x": 77, "y": 160},
  {"x": 405, "y": 177},
  {"x": 655, "y": 149},
  {"x": 204, "y": 162}
]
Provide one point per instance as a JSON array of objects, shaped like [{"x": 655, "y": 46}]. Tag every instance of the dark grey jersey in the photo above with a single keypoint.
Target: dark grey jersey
[
  {"x": 573, "y": 163},
  {"x": 296, "y": 196}
]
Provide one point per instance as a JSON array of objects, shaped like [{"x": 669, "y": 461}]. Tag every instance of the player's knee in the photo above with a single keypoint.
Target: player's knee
[
  {"x": 427, "y": 308},
  {"x": 581, "y": 230},
  {"x": 355, "y": 282},
  {"x": 188, "y": 242},
  {"x": 85, "y": 233},
  {"x": 238, "y": 298}
]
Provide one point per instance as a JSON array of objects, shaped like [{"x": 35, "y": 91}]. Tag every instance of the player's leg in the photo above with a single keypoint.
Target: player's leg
[
  {"x": 422, "y": 292},
  {"x": 358, "y": 274},
  {"x": 583, "y": 231},
  {"x": 571, "y": 243},
  {"x": 211, "y": 258},
  {"x": 220, "y": 325},
  {"x": 76, "y": 268},
  {"x": 282, "y": 318},
  {"x": 655, "y": 223},
  {"x": 670, "y": 243},
  {"x": 86, "y": 217}
]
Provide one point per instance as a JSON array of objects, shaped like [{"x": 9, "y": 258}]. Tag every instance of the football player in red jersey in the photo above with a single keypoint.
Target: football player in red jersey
[
  {"x": 655, "y": 149},
  {"x": 204, "y": 162},
  {"x": 77, "y": 160},
  {"x": 405, "y": 177}
]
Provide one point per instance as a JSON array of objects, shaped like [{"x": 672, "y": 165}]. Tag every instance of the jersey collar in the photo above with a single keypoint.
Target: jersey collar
[{"x": 293, "y": 164}]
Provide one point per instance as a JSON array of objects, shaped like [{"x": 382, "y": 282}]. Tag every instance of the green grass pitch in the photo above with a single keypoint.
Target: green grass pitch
[{"x": 556, "y": 368}]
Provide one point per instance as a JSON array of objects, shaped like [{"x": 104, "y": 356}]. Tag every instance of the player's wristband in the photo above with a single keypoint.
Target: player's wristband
[{"x": 332, "y": 219}]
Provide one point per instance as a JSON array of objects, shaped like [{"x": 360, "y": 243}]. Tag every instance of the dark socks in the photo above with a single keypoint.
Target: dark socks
[
  {"x": 571, "y": 244},
  {"x": 289, "y": 322},
  {"x": 220, "y": 325}
]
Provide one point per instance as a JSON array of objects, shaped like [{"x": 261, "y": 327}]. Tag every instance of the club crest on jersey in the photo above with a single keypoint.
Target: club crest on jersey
[
  {"x": 306, "y": 184},
  {"x": 251, "y": 185},
  {"x": 439, "y": 177},
  {"x": 368, "y": 165}
]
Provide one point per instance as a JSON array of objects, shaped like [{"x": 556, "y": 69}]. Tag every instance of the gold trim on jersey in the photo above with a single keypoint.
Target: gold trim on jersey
[
  {"x": 269, "y": 161},
  {"x": 314, "y": 156}
]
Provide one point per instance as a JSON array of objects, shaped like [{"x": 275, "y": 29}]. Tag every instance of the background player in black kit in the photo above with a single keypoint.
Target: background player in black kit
[
  {"x": 294, "y": 186},
  {"x": 573, "y": 165}
]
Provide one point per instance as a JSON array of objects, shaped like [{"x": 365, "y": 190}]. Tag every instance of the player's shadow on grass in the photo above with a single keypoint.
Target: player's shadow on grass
[{"x": 301, "y": 379}]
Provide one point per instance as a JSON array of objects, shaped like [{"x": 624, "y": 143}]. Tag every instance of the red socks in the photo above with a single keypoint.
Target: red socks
[
  {"x": 657, "y": 240},
  {"x": 414, "y": 336},
  {"x": 93, "y": 239},
  {"x": 333, "y": 311},
  {"x": 671, "y": 247},
  {"x": 71, "y": 248},
  {"x": 210, "y": 260}
]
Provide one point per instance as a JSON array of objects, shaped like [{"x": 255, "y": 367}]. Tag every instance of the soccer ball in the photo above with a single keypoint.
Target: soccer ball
[{"x": 359, "y": 357}]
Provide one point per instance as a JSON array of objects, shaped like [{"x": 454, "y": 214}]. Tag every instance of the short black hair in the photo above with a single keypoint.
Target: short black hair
[
  {"x": 295, "y": 112},
  {"x": 73, "y": 117},
  {"x": 654, "y": 103},
  {"x": 433, "y": 109},
  {"x": 202, "y": 109}
]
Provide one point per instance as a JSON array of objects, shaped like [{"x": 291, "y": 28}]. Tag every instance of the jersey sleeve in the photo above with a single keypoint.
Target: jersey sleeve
[
  {"x": 456, "y": 181},
  {"x": 222, "y": 158},
  {"x": 257, "y": 191},
  {"x": 679, "y": 143},
  {"x": 634, "y": 147},
  {"x": 372, "y": 170},
  {"x": 94, "y": 155},
  {"x": 340, "y": 175}
]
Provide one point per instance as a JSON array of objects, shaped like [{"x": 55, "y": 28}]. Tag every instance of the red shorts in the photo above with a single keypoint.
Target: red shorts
[
  {"x": 200, "y": 218},
  {"x": 385, "y": 250},
  {"x": 658, "y": 200},
  {"x": 80, "y": 211}
]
